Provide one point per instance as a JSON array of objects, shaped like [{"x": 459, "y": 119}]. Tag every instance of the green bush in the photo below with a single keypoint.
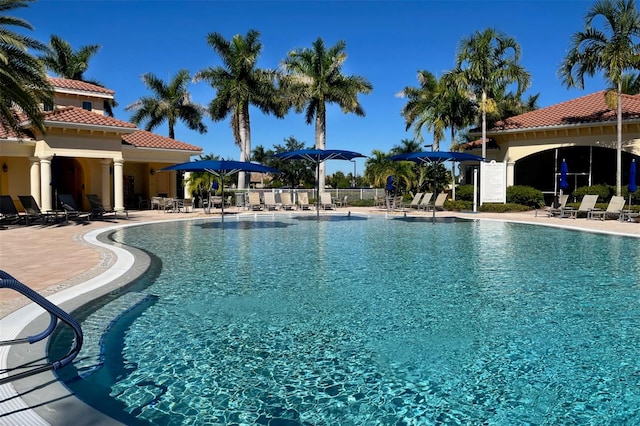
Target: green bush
[
  {"x": 604, "y": 192},
  {"x": 502, "y": 208},
  {"x": 458, "y": 205},
  {"x": 362, "y": 203},
  {"x": 464, "y": 193},
  {"x": 525, "y": 195}
]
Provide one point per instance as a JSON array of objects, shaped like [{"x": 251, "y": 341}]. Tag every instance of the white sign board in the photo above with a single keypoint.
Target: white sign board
[{"x": 493, "y": 182}]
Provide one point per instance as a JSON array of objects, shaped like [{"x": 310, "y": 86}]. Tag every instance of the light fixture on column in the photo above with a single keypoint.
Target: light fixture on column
[
  {"x": 152, "y": 171},
  {"x": 5, "y": 168}
]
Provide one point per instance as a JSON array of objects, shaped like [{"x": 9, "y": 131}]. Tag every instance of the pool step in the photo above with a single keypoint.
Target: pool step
[{"x": 96, "y": 326}]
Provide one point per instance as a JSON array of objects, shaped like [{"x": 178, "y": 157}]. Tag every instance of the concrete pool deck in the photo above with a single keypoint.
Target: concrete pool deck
[{"x": 54, "y": 259}]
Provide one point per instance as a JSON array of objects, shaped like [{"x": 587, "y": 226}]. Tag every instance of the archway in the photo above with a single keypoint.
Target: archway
[{"x": 67, "y": 177}]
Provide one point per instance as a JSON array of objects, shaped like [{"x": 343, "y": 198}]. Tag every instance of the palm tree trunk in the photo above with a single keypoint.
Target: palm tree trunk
[
  {"x": 619, "y": 143},
  {"x": 321, "y": 132},
  {"x": 484, "y": 124},
  {"x": 245, "y": 144}
]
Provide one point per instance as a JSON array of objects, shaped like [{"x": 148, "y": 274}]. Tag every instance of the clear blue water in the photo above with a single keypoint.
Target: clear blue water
[{"x": 369, "y": 322}]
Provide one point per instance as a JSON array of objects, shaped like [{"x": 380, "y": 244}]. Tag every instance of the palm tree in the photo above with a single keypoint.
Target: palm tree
[
  {"x": 239, "y": 84},
  {"x": 612, "y": 50},
  {"x": 314, "y": 78},
  {"x": 63, "y": 61},
  {"x": 23, "y": 82},
  {"x": 406, "y": 146},
  {"x": 378, "y": 167},
  {"x": 170, "y": 103},
  {"x": 438, "y": 104},
  {"x": 487, "y": 62}
]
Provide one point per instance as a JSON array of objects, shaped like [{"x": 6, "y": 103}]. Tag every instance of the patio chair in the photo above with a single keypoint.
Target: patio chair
[
  {"x": 303, "y": 201},
  {"x": 587, "y": 204},
  {"x": 285, "y": 199},
  {"x": 556, "y": 210},
  {"x": 68, "y": 204},
  {"x": 326, "y": 203},
  {"x": 33, "y": 212},
  {"x": 438, "y": 204},
  {"x": 9, "y": 214},
  {"x": 97, "y": 209},
  {"x": 270, "y": 201},
  {"x": 615, "y": 207},
  {"x": 415, "y": 203},
  {"x": 425, "y": 203},
  {"x": 254, "y": 201}
]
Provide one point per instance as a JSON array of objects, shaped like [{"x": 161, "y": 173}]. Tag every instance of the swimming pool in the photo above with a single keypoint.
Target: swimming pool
[{"x": 283, "y": 321}]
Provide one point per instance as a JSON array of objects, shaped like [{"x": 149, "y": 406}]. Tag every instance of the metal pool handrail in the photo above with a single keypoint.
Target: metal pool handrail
[{"x": 7, "y": 281}]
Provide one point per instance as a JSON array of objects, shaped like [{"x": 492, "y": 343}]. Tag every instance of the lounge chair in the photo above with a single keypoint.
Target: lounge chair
[
  {"x": 438, "y": 204},
  {"x": 615, "y": 207},
  {"x": 326, "y": 203},
  {"x": 9, "y": 214},
  {"x": 556, "y": 210},
  {"x": 345, "y": 201},
  {"x": 33, "y": 212},
  {"x": 303, "y": 201},
  {"x": 98, "y": 210},
  {"x": 415, "y": 203},
  {"x": 425, "y": 203},
  {"x": 287, "y": 204},
  {"x": 270, "y": 201},
  {"x": 254, "y": 201},
  {"x": 587, "y": 204},
  {"x": 68, "y": 204}
]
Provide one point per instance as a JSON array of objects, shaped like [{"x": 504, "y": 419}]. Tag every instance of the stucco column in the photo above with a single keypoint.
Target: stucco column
[
  {"x": 34, "y": 179},
  {"x": 187, "y": 188},
  {"x": 105, "y": 189},
  {"x": 510, "y": 173},
  {"x": 45, "y": 183},
  {"x": 118, "y": 184}
]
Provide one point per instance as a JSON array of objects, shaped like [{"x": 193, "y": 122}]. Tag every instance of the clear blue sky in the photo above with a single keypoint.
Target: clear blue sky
[{"x": 387, "y": 42}]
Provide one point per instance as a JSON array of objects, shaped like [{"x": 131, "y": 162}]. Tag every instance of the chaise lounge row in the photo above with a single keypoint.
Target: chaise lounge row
[{"x": 10, "y": 215}]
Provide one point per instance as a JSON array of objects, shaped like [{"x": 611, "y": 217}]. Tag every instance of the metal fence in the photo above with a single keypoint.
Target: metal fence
[{"x": 353, "y": 194}]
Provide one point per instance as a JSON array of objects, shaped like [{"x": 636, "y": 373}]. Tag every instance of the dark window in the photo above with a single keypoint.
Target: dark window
[
  {"x": 87, "y": 105},
  {"x": 48, "y": 106}
]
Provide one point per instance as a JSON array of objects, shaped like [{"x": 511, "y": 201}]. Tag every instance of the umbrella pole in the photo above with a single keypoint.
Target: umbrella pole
[
  {"x": 318, "y": 186},
  {"x": 222, "y": 214}
]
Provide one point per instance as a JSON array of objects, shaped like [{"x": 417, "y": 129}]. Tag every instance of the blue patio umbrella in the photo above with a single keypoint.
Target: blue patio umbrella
[
  {"x": 632, "y": 187},
  {"x": 318, "y": 156},
  {"x": 390, "y": 184},
  {"x": 564, "y": 170},
  {"x": 434, "y": 157},
  {"x": 222, "y": 168}
]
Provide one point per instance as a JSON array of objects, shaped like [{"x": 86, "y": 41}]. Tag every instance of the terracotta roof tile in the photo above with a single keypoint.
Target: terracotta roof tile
[
  {"x": 586, "y": 109},
  {"x": 144, "y": 139},
  {"x": 75, "y": 115},
  {"x": 10, "y": 134},
  {"x": 65, "y": 83}
]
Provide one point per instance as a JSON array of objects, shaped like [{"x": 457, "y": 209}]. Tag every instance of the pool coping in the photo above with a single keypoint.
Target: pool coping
[{"x": 42, "y": 399}]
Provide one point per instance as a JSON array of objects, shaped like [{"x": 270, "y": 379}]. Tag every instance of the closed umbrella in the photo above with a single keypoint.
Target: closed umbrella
[{"x": 564, "y": 170}]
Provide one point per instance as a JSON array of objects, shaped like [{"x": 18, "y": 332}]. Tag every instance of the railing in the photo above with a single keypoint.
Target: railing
[{"x": 7, "y": 281}]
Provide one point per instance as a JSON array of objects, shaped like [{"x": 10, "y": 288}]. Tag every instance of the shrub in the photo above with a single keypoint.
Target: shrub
[
  {"x": 525, "y": 195},
  {"x": 458, "y": 205},
  {"x": 464, "y": 193},
  {"x": 502, "y": 208},
  {"x": 604, "y": 192}
]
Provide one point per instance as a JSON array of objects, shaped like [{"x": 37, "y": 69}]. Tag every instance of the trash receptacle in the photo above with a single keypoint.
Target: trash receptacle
[{"x": 239, "y": 199}]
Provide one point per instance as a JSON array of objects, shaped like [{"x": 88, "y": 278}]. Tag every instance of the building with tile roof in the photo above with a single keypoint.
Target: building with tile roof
[
  {"x": 86, "y": 152},
  {"x": 581, "y": 131}
]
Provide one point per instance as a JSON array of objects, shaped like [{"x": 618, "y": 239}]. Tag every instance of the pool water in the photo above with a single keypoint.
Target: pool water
[{"x": 282, "y": 321}]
